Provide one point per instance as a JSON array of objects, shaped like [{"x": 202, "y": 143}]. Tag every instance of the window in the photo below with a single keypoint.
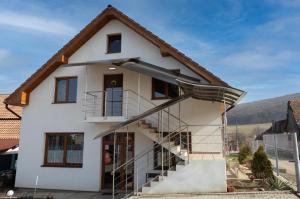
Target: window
[
  {"x": 64, "y": 149},
  {"x": 163, "y": 90},
  {"x": 66, "y": 90},
  {"x": 114, "y": 43}
]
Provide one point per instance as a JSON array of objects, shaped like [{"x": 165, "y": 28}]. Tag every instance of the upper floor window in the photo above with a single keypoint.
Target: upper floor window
[
  {"x": 66, "y": 90},
  {"x": 64, "y": 149},
  {"x": 163, "y": 90},
  {"x": 114, "y": 43}
]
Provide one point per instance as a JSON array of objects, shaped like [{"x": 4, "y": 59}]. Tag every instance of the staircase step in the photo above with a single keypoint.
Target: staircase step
[
  {"x": 145, "y": 126},
  {"x": 179, "y": 166},
  {"x": 142, "y": 121}
]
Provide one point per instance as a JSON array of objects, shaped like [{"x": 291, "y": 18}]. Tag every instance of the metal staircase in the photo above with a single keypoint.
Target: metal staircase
[
  {"x": 168, "y": 153},
  {"x": 166, "y": 156}
]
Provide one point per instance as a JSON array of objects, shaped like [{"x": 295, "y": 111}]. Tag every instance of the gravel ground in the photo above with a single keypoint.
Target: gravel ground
[
  {"x": 96, "y": 195},
  {"x": 250, "y": 195}
]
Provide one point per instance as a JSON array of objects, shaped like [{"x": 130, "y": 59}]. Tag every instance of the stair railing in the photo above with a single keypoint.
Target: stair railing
[{"x": 142, "y": 164}]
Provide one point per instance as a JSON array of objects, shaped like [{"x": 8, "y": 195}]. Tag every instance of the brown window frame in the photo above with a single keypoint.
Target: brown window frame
[
  {"x": 108, "y": 47},
  {"x": 66, "y": 101},
  {"x": 64, "y": 164},
  {"x": 166, "y": 88}
]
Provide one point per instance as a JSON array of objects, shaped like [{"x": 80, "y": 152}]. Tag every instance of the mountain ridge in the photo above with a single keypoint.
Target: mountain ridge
[{"x": 261, "y": 111}]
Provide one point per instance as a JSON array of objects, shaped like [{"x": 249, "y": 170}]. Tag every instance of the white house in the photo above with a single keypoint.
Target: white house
[{"x": 119, "y": 110}]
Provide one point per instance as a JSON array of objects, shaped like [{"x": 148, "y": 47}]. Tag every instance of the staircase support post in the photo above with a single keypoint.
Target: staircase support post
[
  {"x": 126, "y": 170},
  {"x": 188, "y": 143},
  {"x": 162, "y": 148},
  {"x": 114, "y": 162},
  {"x": 179, "y": 116},
  {"x": 169, "y": 139}
]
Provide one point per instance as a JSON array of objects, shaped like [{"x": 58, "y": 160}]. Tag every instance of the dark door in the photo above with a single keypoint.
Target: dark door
[
  {"x": 113, "y": 87},
  {"x": 123, "y": 176}
]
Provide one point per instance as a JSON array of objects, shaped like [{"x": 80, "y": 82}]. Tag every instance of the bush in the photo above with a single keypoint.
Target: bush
[
  {"x": 245, "y": 154},
  {"x": 261, "y": 165},
  {"x": 276, "y": 184}
]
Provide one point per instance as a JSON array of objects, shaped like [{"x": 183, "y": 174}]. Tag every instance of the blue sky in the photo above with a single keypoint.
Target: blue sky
[{"x": 253, "y": 45}]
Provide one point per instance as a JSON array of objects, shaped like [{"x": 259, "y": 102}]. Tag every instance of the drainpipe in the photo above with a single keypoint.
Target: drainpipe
[{"x": 10, "y": 110}]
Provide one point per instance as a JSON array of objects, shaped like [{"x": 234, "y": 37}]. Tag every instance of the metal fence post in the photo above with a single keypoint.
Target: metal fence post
[
  {"x": 296, "y": 157},
  {"x": 276, "y": 154}
]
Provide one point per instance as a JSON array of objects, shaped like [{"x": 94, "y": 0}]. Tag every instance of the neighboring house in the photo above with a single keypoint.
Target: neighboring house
[
  {"x": 117, "y": 109},
  {"x": 280, "y": 129},
  {"x": 9, "y": 134}
]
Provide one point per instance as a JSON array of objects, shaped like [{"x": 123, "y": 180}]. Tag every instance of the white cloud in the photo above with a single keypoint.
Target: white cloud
[
  {"x": 258, "y": 59},
  {"x": 35, "y": 23}
]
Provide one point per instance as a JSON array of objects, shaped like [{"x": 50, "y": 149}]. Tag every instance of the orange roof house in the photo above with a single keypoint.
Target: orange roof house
[{"x": 9, "y": 125}]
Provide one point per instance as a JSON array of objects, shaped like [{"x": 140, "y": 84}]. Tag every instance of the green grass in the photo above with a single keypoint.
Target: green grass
[{"x": 248, "y": 129}]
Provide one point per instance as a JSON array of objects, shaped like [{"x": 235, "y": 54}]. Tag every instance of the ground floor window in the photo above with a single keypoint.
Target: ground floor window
[{"x": 64, "y": 149}]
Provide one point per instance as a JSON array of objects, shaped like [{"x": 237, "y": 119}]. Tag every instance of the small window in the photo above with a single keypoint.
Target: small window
[
  {"x": 66, "y": 90},
  {"x": 114, "y": 43},
  {"x": 64, "y": 149},
  {"x": 163, "y": 90}
]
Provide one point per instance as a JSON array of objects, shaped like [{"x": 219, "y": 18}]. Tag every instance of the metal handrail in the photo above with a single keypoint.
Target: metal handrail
[
  {"x": 140, "y": 96},
  {"x": 156, "y": 145},
  {"x": 148, "y": 149},
  {"x": 156, "y": 105}
]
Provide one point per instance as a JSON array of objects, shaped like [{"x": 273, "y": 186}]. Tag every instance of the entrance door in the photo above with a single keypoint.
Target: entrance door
[
  {"x": 113, "y": 87},
  {"x": 123, "y": 176}
]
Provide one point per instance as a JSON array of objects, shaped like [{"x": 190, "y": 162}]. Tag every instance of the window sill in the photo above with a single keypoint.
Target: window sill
[
  {"x": 62, "y": 166},
  {"x": 108, "y": 53},
  {"x": 64, "y": 102},
  {"x": 161, "y": 98}
]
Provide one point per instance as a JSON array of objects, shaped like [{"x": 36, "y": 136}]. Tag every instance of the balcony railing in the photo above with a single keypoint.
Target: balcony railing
[{"x": 125, "y": 104}]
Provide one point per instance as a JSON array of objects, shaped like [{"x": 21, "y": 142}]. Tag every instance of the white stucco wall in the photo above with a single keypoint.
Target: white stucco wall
[
  {"x": 42, "y": 116},
  {"x": 133, "y": 45},
  {"x": 196, "y": 177}
]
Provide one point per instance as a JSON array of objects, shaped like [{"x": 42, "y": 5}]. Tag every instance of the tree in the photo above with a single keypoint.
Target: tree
[
  {"x": 245, "y": 153},
  {"x": 261, "y": 165}
]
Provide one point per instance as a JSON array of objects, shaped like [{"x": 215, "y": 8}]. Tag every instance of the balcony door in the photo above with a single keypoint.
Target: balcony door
[{"x": 113, "y": 95}]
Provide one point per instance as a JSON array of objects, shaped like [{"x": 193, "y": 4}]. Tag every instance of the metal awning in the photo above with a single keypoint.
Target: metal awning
[
  {"x": 231, "y": 96},
  {"x": 190, "y": 85},
  {"x": 136, "y": 65}
]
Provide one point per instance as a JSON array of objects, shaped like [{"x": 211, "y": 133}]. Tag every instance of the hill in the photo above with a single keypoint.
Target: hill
[{"x": 262, "y": 111}]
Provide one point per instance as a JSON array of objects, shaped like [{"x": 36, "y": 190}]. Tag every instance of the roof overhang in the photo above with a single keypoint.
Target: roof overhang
[{"x": 228, "y": 95}]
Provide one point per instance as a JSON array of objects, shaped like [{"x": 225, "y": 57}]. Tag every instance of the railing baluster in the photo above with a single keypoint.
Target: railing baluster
[
  {"x": 188, "y": 144},
  {"x": 114, "y": 162},
  {"x": 137, "y": 179},
  {"x": 126, "y": 172},
  {"x": 105, "y": 104},
  {"x": 162, "y": 148},
  {"x": 126, "y": 105},
  {"x": 169, "y": 137}
]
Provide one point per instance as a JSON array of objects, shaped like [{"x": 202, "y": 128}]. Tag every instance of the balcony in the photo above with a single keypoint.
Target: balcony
[{"x": 113, "y": 105}]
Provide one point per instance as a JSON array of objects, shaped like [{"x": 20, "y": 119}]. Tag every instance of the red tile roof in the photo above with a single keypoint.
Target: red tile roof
[
  {"x": 8, "y": 144},
  {"x": 9, "y": 125},
  {"x": 4, "y": 113},
  {"x": 295, "y": 106},
  {"x": 10, "y": 129}
]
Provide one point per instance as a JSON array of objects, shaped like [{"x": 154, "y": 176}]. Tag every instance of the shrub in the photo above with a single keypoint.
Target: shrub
[
  {"x": 276, "y": 184},
  {"x": 245, "y": 153},
  {"x": 261, "y": 165}
]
